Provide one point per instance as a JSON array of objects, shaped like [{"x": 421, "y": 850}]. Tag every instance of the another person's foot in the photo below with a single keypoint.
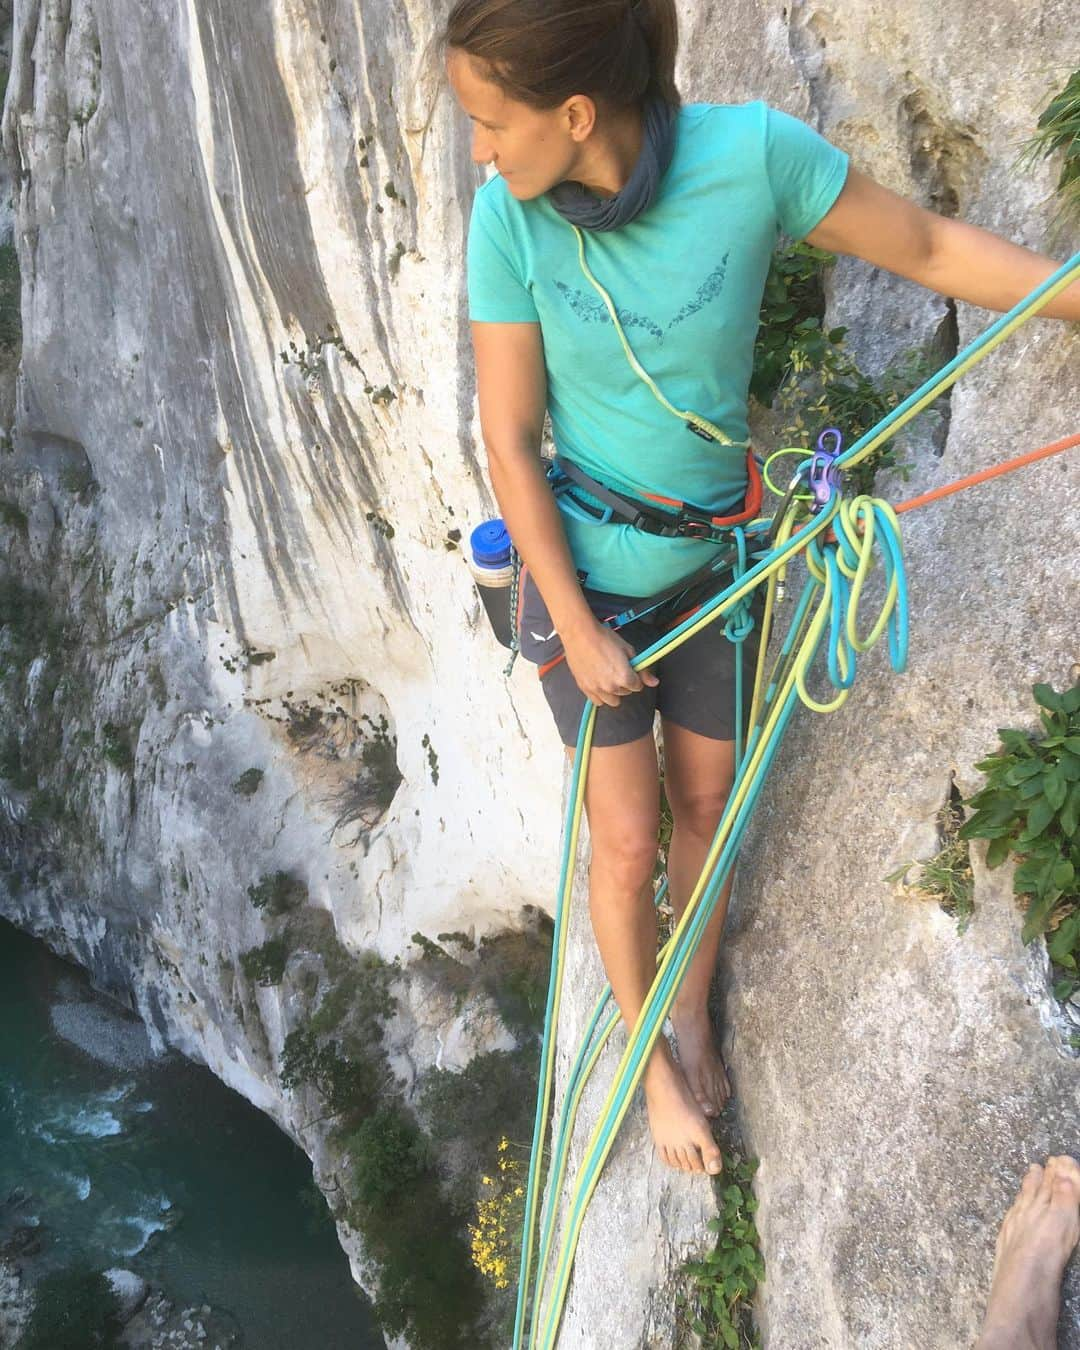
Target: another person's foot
[
  {"x": 680, "y": 1131},
  {"x": 700, "y": 1058},
  {"x": 1036, "y": 1240}
]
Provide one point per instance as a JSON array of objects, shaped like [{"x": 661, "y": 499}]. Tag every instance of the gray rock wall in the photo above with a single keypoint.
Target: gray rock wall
[
  {"x": 245, "y": 441},
  {"x": 894, "y": 1078}
]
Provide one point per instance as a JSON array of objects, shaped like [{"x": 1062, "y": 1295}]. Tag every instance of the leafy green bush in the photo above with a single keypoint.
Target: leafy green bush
[
  {"x": 29, "y": 628},
  {"x": 1059, "y": 129},
  {"x": 278, "y": 893},
  {"x": 73, "y": 1310},
  {"x": 10, "y": 290},
  {"x": 248, "y": 783},
  {"x": 117, "y": 748},
  {"x": 266, "y": 964},
  {"x": 349, "y": 1083},
  {"x": 514, "y": 969},
  {"x": 429, "y": 1292},
  {"x": 717, "y": 1306},
  {"x": 388, "y": 1153},
  {"x": 792, "y": 310},
  {"x": 1030, "y": 809},
  {"x": 12, "y": 763},
  {"x": 495, "y": 1094},
  {"x": 809, "y": 375},
  {"x": 362, "y": 995},
  {"x": 12, "y": 514}
]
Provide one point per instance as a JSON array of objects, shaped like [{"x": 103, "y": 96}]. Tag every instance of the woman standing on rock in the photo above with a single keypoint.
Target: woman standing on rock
[{"x": 575, "y": 106}]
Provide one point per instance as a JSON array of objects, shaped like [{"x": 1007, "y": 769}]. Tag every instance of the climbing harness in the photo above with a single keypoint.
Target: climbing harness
[
  {"x": 685, "y": 521},
  {"x": 839, "y": 541}
]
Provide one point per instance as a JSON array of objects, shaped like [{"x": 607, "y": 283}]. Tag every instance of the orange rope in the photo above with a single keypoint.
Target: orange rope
[{"x": 1054, "y": 448}]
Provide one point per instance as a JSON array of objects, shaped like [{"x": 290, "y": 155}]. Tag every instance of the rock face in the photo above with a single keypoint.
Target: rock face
[
  {"x": 895, "y": 1078},
  {"x": 243, "y": 458}
]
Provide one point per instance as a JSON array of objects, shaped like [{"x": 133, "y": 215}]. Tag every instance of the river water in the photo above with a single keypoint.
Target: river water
[{"x": 156, "y": 1166}]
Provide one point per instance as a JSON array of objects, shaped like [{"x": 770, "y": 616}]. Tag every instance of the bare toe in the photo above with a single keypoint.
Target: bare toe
[
  {"x": 1034, "y": 1243},
  {"x": 1031, "y": 1182}
]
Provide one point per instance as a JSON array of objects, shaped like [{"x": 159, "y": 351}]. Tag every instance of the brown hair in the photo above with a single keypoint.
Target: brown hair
[{"x": 539, "y": 52}]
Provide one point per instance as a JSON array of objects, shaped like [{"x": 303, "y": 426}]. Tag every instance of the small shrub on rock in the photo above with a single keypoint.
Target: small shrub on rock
[
  {"x": 248, "y": 783},
  {"x": 388, "y": 1153},
  {"x": 265, "y": 965},
  {"x": 278, "y": 893}
]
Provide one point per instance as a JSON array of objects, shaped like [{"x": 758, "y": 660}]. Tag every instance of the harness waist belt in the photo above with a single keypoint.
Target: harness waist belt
[{"x": 685, "y": 521}]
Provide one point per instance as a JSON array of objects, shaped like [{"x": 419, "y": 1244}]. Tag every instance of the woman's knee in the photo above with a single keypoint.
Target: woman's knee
[
  {"x": 698, "y": 811},
  {"x": 625, "y": 856}
]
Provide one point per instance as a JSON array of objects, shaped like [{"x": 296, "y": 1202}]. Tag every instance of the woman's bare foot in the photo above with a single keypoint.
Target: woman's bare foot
[
  {"x": 699, "y": 1056},
  {"x": 679, "y": 1129},
  {"x": 1036, "y": 1240}
]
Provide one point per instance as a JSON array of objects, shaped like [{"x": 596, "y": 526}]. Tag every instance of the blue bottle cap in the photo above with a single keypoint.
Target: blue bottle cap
[{"x": 490, "y": 544}]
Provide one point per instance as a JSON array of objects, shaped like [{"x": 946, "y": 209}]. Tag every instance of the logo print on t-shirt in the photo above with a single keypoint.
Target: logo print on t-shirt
[{"x": 590, "y": 308}]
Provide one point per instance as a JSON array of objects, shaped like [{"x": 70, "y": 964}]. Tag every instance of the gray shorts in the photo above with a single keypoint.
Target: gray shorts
[{"x": 697, "y": 680}]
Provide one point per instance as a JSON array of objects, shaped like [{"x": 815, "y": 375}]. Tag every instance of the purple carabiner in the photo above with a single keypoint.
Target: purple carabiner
[{"x": 824, "y": 476}]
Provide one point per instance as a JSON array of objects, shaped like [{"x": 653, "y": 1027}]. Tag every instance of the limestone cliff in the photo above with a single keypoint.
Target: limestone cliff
[{"x": 242, "y": 645}]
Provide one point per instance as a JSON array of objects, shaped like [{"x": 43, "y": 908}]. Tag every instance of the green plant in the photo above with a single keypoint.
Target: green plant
[
  {"x": 266, "y": 964},
  {"x": 947, "y": 877},
  {"x": 348, "y": 1085},
  {"x": 514, "y": 970},
  {"x": 807, "y": 373},
  {"x": 462, "y": 940},
  {"x": 29, "y": 627},
  {"x": 388, "y": 1153},
  {"x": 1030, "y": 809},
  {"x": 835, "y": 392},
  {"x": 362, "y": 994},
  {"x": 10, "y": 290},
  {"x": 1058, "y": 128},
  {"x": 278, "y": 893},
  {"x": 248, "y": 783},
  {"x": 159, "y": 690},
  {"x": 12, "y": 765},
  {"x": 428, "y": 1292},
  {"x": 792, "y": 309},
  {"x": 495, "y": 1094},
  {"x": 395, "y": 1199},
  {"x": 44, "y": 805},
  {"x": 716, "y": 1306},
  {"x": 117, "y": 746},
  {"x": 12, "y": 514},
  {"x": 430, "y": 949},
  {"x": 433, "y": 759}
]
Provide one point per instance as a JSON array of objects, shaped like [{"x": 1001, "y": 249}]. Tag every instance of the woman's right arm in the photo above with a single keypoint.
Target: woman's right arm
[{"x": 512, "y": 387}]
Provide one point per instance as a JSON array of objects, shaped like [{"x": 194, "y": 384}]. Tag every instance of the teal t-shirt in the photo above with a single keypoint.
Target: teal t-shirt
[{"x": 686, "y": 278}]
